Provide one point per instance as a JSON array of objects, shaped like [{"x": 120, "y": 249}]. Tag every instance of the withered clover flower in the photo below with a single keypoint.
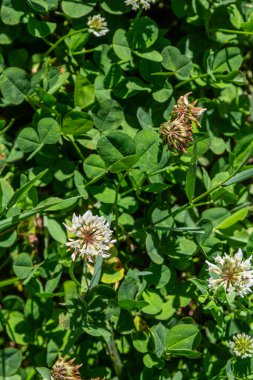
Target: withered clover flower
[
  {"x": 187, "y": 110},
  {"x": 231, "y": 272},
  {"x": 65, "y": 370},
  {"x": 92, "y": 237},
  {"x": 177, "y": 132},
  {"x": 136, "y": 4},
  {"x": 242, "y": 345},
  {"x": 97, "y": 25}
]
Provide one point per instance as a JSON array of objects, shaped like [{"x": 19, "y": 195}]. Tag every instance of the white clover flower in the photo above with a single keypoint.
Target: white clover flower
[
  {"x": 231, "y": 272},
  {"x": 242, "y": 345},
  {"x": 136, "y": 4},
  {"x": 93, "y": 237},
  {"x": 97, "y": 26}
]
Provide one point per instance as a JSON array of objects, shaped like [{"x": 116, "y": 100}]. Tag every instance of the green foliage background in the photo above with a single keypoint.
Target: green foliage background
[{"x": 80, "y": 130}]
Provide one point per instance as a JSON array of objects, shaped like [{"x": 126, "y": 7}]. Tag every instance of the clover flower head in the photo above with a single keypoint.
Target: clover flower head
[
  {"x": 136, "y": 4},
  {"x": 188, "y": 110},
  {"x": 97, "y": 25},
  {"x": 231, "y": 272},
  {"x": 177, "y": 134},
  {"x": 66, "y": 370},
  {"x": 242, "y": 345},
  {"x": 92, "y": 237}
]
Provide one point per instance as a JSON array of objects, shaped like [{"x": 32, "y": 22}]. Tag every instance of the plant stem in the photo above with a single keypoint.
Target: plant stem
[
  {"x": 7, "y": 126},
  {"x": 114, "y": 355},
  {"x": 84, "y": 51},
  {"x": 9, "y": 281},
  {"x": 191, "y": 79},
  {"x": 72, "y": 275},
  {"x": 78, "y": 150},
  {"x": 232, "y": 31},
  {"x": 72, "y": 33}
]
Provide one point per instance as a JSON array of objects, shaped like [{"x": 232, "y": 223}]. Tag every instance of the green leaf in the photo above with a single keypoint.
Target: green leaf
[
  {"x": 239, "y": 177},
  {"x": 147, "y": 147},
  {"x": 182, "y": 339},
  {"x": 14, "y": 85},
  {"x": 113, "y": 7},
  {"x": 40, "y": 29},
  {"x": 143, "y": 33},
  {"x": 19, "y": 335},
  {"x": 22, "y": 191},
  {"x": 123, "y": 164},
  {"x": 11, "y": 13},
  {"x": 44, "y": 372},
  {"x": 10, "y": 361},
  {"x": 53, "y": 80},
  {"x": 94, "y": 166},
  {"x": 234, "y": 76},
  {"x": 152, "y": 250},
  {"x": 109, "y": 115},
  {"x": 6, "y": 193},
  {"x": 80, "y": 184},
  {"x": 23, "y": 265},
  {"x": 159, "y": 333},
  {"x": 77, "y": 8},
  {"x": 236, "y": 18},
  {"x": 227, "y": 59},
  {"x": 97, "y": 272},
  {"x": 154, "y": 301},
  {"x": 232, "y": 219},
  {"x": 48, "y": 132},
  {"x": 51, "y": 204},
  {"x": 151, "y": 55},
  {"x": 115, "y": 146},
  {"x": 76, "y": 123},
  {"x": 38, "y": 5},
  {"x": 120, "y": 45},
  {"x": 56, "y": 230},
  {"x": 84, "y": 92},
  {"x": 176, "y": 62}
]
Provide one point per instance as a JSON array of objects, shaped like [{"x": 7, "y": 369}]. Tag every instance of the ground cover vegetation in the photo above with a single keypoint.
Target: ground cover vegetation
[{"x": 126, "y": 150}]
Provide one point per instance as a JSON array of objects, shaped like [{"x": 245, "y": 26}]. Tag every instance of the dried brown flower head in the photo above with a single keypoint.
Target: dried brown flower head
[
  {"x": 187, "y": 110},
  {"x": 177, "y": 134},
  {"x": 65, "y": 370}
]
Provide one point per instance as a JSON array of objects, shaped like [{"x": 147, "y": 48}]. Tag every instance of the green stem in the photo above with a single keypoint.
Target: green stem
[
  {"x": 76, "y": 148},
  {"x": 72, "y": 275},
  {"x": 164, "y": 73},
  {"x": 139, "y": 13},
  {"x": 72, "y": 33},
  {"x": 232, "y": 31},
  {"x": 114, "y": 355},
  {"x": 9, "y": 281},
  {"x": 7, "y": 126},
  {"x": 84, "y": 51},
  {"x": 191, "y": 79}
]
